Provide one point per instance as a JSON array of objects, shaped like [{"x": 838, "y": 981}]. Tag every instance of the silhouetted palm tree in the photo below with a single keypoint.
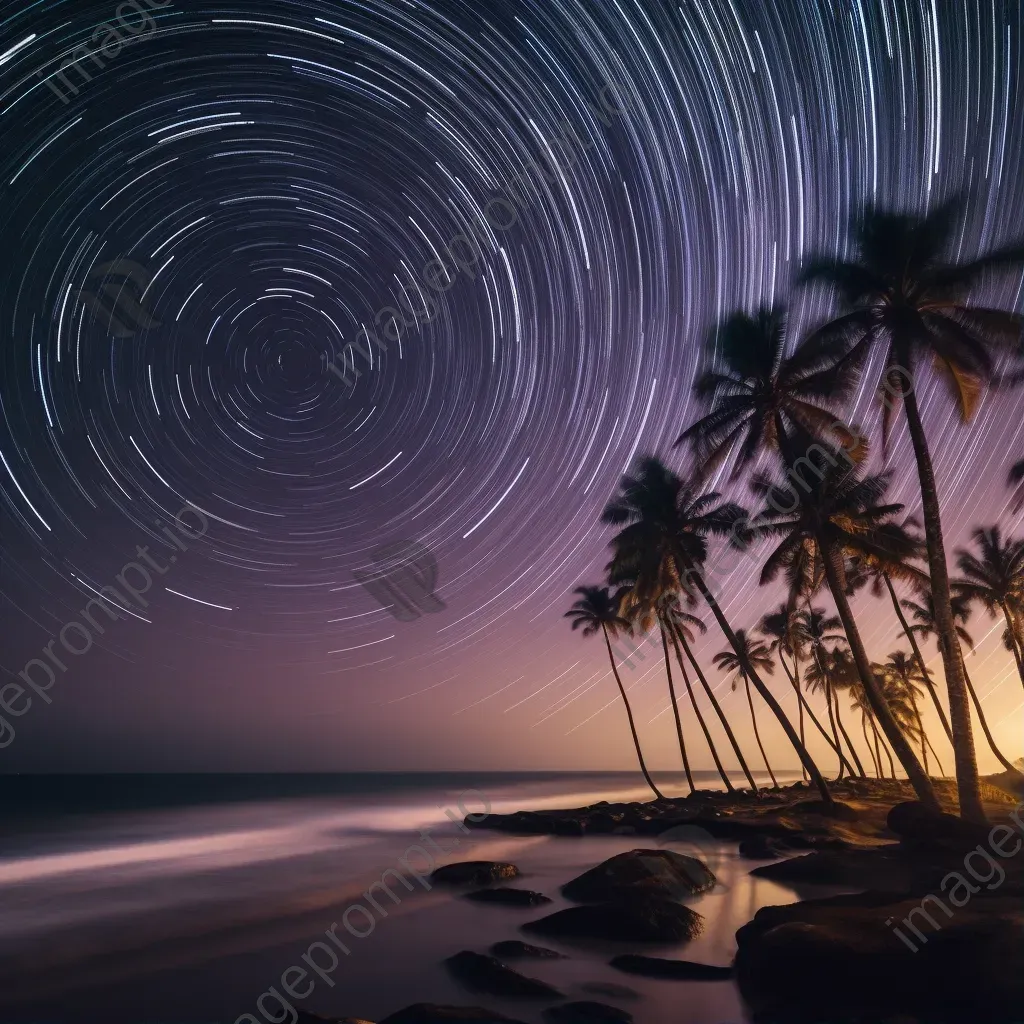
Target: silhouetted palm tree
[
  {"x": 596, "y": 609},
  {"x": 758, "y": 398},
  {"x": 902, "y": 294},
  {"x": 679, "y": 623},
  {"x": 749, "y": 655},
  {"x": 923, "y": 613},
  {"x": 842, "y": 514},
  {"x": 667, "y": 520},
  {"x": 905, "y": 678},
  {"x": 995, "y": 578}
]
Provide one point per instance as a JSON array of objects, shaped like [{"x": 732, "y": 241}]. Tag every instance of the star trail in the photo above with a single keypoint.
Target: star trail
[{"x": 539, "y": 209}]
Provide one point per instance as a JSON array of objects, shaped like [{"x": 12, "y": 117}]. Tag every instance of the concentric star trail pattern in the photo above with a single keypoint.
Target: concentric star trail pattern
[{"x": 199, "y": 219}]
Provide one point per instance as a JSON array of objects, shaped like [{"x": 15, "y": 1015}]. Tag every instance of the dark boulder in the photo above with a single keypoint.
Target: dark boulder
[
  {"x": 760, "y": 848},
  {"x": 488, "y": 974},
  {"x": 915, "y": 822},
  {"x": 659, "y": 873},
  {"x": 509, "y": 896},
  {"x": 679, "y": 970},
  {"x": 587, "y": 1012},
  {"x": 513, "y": 948},
  {"x": 641, "y": 920},
  {"x": 837, "y": 811},
  {"x": 429, "y": 1013},
  {"x": 474, "y": 872},
  {"x": 875, "y": 956}
]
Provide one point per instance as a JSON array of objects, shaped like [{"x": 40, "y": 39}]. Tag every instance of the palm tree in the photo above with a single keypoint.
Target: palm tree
[
  {"x": 748, "y": 654},
  {"x": 596, "y": 609},
  {"x": 678, "y": 623},
  {"x": 665, "y": 520},
  {"x": 995, "y": 578},
  {"x": 878, "y": 574},
  {"x": 643, "y": 613},
  {"x": 757, "y": 397},
  {"x": 685, "y": 638},
  {"x": 843, "y": 675},
  {"x": 900, "y": 294},
  {"x": 923, "y": 613},
  {"x": 815, "y": 629},
  {"x": 784, "y": 631},
  {"x": 843, "y": 516},
  {"x": 905, "y": 678}
]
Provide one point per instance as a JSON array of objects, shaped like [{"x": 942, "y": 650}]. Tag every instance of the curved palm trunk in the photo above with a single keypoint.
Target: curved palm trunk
[
  {"x": 629, "y": 715},
  {"x": 922, "y": 784},
  {"x": 920, "y": 729},
  {"x": 984, "y": 725},
  {"x": 846, "y": 735},
  {"x": 721, "y": 714},
  {"x": 757, "y": 734},
  {"x": 805, "y": 758},
  {"x": 1011, "y": 626},
  {"x": 696, "y": 710},
  {"x": 942, "y": 771},
  {"x": 813, "y": 717},
  {"x": 675, "y": 710},
  {"x": 967, "y": 781},
  {"x": 799, "y": 700},
  {"x": 872, "y": 753},
  {"x": 885, "y": 748},
  {"x": 909, "y": 633},
  {"x": 837, "y": 743}
]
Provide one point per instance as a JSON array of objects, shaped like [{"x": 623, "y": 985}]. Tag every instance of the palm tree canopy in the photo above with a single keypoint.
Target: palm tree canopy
[
  {"x": 995, "y": 576},
  {"x": 756, "y": 395},
  {"x": 598, "y": 608},
  {"x": 665, "y": 522},
  {"x": 901, "y": 290},
  {"x": 781, "y": 628},
  {"x": 922, "y": 612},
  {"x": 754, "y": 651}
]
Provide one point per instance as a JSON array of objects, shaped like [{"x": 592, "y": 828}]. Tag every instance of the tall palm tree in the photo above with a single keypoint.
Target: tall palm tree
[
  {"x": 816, "y": 629},
  {"x": 843, "y": 675},
  {"x": 860, "y": 702},
  {"x": 644, "y": 612},
  {"x": 831, "y": 672},
  {"x": 757, "y": 397},
  {"x": 665, "y": 519},
  {"x": 842, "y": 514},
  {"x": 749, "y": 654},
  {"x": 905, "y": 678},
  {"x": 685, "y": 638},
  {"x": 995, "y": 578},
  {"x": 596, "y": 609},
  {"x": 902, "y": 294},
  {"x": 923, "y": 613},
  {"x": 878, "y": 574},
  {"x": 681, "y": 623}
]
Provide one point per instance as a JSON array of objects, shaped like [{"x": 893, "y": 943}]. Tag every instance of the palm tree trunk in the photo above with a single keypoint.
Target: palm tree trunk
[
  {"x": 942, "y": 771},
  {"x": 867, "y": 740},
  {"x": 805, "y": 758},
  {"x": 832, "y": 559},
  {"x": 909, "y": 633},
  {"x": 696, "y": 710},
  {"x": 984, "y": 725},
  {"x": 968, "y": 783},
  {"x": 675, "y": 710},
  {"x": 837, "y": 743},
  {"x": 800, "y": 702},
  {"x": 885, "y": 748},
  {"x": 721, "y": 714},
  {"x": 846, "y": 735},
  {"x": 629, "y": 715},
  {"x": 1011, "y": 627},
  {"x": 757, "y": 735},
  {"x": 810, "y": 714},
  {"x": 920, "y": 728}
]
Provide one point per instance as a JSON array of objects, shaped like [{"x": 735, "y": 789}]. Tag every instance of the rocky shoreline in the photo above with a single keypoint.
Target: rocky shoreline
[{"x": 932, "y": 932}]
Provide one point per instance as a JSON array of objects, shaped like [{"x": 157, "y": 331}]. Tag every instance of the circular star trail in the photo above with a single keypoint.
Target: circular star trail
[{"x": 538, "y": 210}]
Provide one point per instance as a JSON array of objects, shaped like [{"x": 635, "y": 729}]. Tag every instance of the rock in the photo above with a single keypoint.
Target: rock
[
  {"x": 865, "y": 869},
  {"x": 680, "y": 970},
  {"x": 660, "y": 873},
  {"x": 513, "y": 948},
  {"x": 913, "y": 821},
  {"x": 838, "y": 811},
  {"x": 610, "y": 989},
  {"x": 838, "y": 959},
  {"x": 586, "y": 1012},
  {"x": 759, "y": 848},
  {"x": 429, "y": 1013},
  {"x": 474, "y": 872},
  {"x": 488, "y": 974},
  {"x": 509, "y": 896},
  {"x": 647, "y": 919}
]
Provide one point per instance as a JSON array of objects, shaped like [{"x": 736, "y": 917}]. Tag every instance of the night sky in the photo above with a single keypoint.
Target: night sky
[{"x": 198, "y": 219}]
